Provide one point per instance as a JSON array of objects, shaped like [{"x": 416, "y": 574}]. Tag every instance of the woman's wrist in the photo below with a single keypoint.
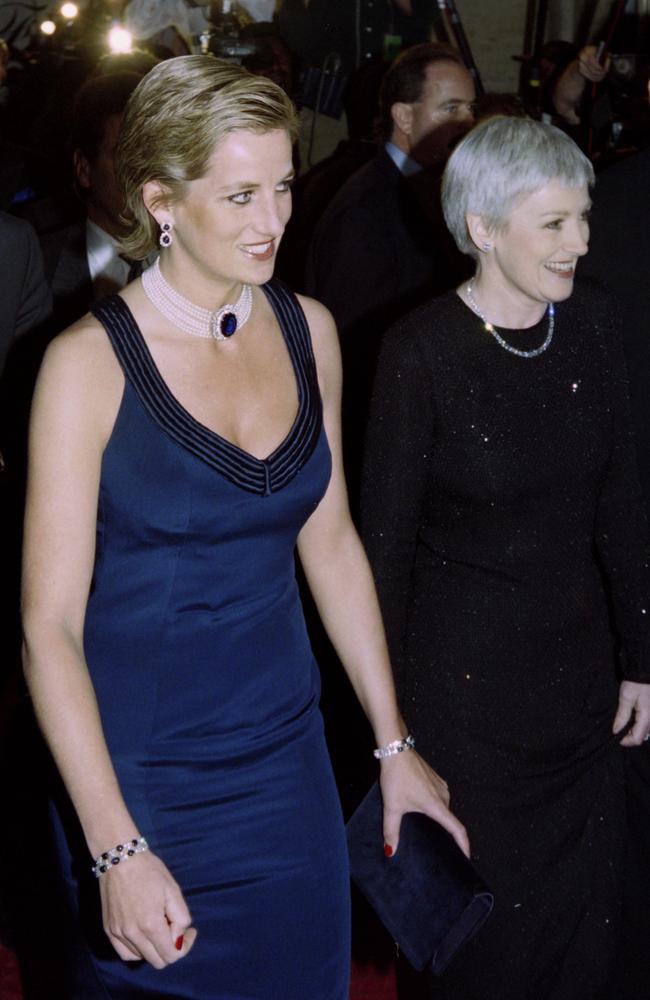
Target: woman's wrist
[
  {"x": 395, "y": 747},
  {"x": 113, "y": 856},
  {"x": 105, "y": 832}
]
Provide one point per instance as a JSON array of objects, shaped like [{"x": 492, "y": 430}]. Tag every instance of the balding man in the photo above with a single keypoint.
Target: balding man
[
  {"x": 381, "y": 246},
  {"x": 374, "y": 254}
]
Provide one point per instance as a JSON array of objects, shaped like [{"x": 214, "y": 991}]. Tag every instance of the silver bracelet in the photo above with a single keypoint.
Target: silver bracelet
[
  {"x": 110, "y": 859},
  {"x": 397, "y": 746}
]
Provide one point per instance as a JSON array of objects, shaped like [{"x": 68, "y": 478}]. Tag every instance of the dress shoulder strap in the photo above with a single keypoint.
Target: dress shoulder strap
[
  {"x": 123, "y": 333},
  {"x": 290, "y": 316}
]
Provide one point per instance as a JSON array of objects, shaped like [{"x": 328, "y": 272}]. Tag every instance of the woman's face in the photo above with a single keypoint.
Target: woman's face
[
  {"x": 535, "y": 254},
  {"x": 228, "y": 225}
]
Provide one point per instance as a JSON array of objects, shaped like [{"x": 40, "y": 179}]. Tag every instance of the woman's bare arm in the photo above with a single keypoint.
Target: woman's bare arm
[
  {"x": 341, "y": 582},
  {"x": 75, "y": 404}
]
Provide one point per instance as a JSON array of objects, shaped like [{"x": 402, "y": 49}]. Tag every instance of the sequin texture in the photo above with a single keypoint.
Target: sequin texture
[{"x": 497, "y": 561}]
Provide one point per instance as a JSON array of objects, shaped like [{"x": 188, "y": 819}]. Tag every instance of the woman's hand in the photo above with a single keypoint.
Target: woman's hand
[
  {"x": 408, "y": 784},
  {"x": 144, "y": 913},
  {"x": 633, "y": 700}
]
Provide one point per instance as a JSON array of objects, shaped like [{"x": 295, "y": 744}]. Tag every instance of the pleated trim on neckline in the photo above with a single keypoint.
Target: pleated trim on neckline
[{"x": 255, "y": 475}]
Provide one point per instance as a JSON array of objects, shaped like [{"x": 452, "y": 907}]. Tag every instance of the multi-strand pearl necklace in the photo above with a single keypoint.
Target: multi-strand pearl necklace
[
  {"x": 504, "y": 343},
  {"x": 187, "y": 316}
]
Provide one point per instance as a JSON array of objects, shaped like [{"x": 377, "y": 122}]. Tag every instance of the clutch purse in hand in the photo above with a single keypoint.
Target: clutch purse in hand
[{"x": 428, "y": 896}]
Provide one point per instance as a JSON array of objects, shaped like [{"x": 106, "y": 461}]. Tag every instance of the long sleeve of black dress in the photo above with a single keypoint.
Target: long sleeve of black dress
[{"x": 396, "y": 473}]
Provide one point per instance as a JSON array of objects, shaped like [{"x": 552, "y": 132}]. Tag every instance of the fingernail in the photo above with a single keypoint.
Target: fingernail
[
  {"x": 179, "y": 942},
  {"x": 388, "y": 850}
]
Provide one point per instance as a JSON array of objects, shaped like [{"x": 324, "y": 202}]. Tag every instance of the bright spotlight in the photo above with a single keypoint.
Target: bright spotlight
[
  {"x": 119, "y": 39},
  {"x": 69, "y": 11},
  {"x": 48, "y": 27}
]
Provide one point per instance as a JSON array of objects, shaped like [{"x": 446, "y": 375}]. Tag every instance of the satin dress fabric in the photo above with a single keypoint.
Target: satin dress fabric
[{"x": 208, "y": 692}]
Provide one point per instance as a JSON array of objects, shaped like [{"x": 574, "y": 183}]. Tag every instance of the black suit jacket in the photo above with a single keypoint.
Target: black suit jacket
[
  {"x": 25, "y": 310},
  {"x": 66, "y": 269},
  {"x": 377, "y": 251},
  {"x": 619, "y": 256},
  {"x": 26, "y": 299}
]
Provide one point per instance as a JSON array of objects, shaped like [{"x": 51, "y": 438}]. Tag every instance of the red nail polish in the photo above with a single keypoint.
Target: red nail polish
[
  {"x": 388, "y": 850},
  {"x": 178, "y": 944}
]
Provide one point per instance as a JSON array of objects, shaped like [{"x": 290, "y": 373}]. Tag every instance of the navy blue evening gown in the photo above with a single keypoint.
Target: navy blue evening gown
[{"x": 208, "y": 692}]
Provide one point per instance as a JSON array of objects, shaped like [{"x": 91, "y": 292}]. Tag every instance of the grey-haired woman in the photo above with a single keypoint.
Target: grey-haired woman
[{"x": 502, "y": 521}]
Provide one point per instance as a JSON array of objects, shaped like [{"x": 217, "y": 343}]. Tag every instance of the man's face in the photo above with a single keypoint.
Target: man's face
[
  {"x": 444, "y": 112},
  {"x": 104, "y": 201}
]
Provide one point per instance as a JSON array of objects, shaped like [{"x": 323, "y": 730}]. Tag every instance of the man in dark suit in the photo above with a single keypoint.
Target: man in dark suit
[
  {"x": 619, "y": 256},
  {"x": 82, "y": 258},
  {"x": 25, "y": 297},
  {"x": 26, "y": 305},
  {"x": 381, "y": 246}
]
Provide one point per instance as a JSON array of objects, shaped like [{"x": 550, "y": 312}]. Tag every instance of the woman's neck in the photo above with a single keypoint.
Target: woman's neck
[
  {"x": 194, "y": 284},
  {"x": 501, "y": 305}
]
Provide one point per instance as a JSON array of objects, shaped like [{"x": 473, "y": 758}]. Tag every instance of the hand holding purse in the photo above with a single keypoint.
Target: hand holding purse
[{"x": 428, "y": 896}]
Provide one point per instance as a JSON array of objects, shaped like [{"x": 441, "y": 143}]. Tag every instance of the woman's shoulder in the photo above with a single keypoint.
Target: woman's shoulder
[
  {"x": 590, "y": 296},
  {"x": 83, "y": 345},
  {"x": 81, "y": 365},
  {"x": 429, "y": 328},
  {"x": 593, "y": 317},
  {"x": 320, "y": 322},
  {"x": 592, "y": 308}
]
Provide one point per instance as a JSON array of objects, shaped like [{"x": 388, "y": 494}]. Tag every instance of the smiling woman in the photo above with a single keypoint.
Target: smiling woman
[
  {"x": 194, "y": 420},
  {"x": 502, "y": 519}
]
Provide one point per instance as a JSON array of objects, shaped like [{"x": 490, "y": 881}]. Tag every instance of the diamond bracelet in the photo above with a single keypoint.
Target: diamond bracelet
[
  {"x": 110, "y": 859},
  {"x": 397, "y": 746}
]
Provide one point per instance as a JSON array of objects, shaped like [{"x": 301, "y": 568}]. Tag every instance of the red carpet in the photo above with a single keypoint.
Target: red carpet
[
  {"x": 9, "y": 976},
  {"x": 368, "y": 982},
  {"x": 371, "y": 983}
]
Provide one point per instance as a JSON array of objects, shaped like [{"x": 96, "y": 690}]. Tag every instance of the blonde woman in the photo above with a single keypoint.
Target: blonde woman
[{"x": 184, "y": 440}]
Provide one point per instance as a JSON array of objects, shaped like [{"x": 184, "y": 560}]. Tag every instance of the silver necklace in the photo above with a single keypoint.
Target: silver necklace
[
  {"x": 200, "y": 322},
  {"x": 504, "y": 343}
]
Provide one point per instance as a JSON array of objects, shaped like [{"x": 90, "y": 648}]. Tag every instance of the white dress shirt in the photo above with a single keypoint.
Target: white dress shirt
[{"x": 402, "y": 160}]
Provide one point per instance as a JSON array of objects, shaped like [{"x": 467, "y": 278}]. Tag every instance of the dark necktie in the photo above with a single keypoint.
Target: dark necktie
[{"x": 135, "y": 268}]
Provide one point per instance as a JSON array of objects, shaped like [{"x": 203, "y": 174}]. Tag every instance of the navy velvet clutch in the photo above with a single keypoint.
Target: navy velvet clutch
[{"x": 428, "y": 896}]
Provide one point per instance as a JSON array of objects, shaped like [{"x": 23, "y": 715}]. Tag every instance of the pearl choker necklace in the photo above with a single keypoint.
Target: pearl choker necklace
[
  {"x": 218, "y": 325},
  {"x": 504, "y": 343}
]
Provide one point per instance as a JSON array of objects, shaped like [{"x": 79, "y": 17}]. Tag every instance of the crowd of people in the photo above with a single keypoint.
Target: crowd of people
[{"x": 430, "y": 384}]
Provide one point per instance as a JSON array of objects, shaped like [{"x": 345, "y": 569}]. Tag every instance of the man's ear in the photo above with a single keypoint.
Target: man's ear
[
  {"x": 156, "y": 200},
  {"x": 81, "y": 169},
  {"x": 481, "y": 235},
  {"x": 402, "y": 115}
]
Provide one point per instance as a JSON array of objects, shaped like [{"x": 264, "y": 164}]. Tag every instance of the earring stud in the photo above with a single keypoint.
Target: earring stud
[{"x": 166, "y": 234}]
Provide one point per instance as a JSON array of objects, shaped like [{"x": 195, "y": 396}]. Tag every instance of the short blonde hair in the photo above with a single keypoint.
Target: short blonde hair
[
  {"x": 500, "y": 161},
  {"x": 174, "y": 121}
]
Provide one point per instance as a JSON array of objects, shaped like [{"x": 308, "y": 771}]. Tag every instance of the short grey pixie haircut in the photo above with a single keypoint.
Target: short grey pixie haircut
[
  {"x": 173, "y": 123},
  {"x": 501, "y": 161}
]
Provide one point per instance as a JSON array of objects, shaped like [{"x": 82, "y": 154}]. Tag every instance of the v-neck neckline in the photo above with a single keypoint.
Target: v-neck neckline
[
  {"x": 223, "y": 441},
  {"x": 258, "y": 475}
]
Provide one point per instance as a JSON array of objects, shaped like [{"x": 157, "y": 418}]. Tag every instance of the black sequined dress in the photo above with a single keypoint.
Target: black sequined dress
[{"x": 502, "y": 519}]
